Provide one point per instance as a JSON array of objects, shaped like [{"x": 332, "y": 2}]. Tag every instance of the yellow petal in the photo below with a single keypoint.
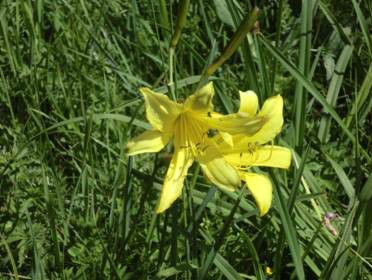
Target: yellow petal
[
  {"x": 218, "y": 170},
  {"x": 173, "y": 183},
  {"x": 238, "y": 123},
  {"x": 227, "y": 138},
  {"x": 201, "y": 101},
  {"x": 271, "y": 117},
  {"x": 260, "y": 187},
  {"x": 271, "y": 156},
  {"x": 161, "y": 112},
  {"x": 272, "y": 112},
  {"x": 150, "y": 141},
  {"x": 248, "y": 102}
]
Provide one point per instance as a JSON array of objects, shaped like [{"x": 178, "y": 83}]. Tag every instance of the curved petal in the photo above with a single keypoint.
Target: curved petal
[
  {"x": 161, "y": 112},
  {"x": 238, "y": 123},
  {"x": 150, "y": 141},
  {"x": 271, "y": 156},
  {"x": 173, "y": 182},
  {"x": 271, "y": 116},
  {"x": 272, "y": 112},
  {"x": 260, "y": 187},
  {"x": 248, "y": 102},
  {"x": 201, "y": 100},
  {"x": 218, "y": 170}
]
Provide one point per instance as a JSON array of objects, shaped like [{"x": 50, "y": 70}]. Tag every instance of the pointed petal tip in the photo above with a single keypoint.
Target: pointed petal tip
[
  {"x": 128, "y": 149},
  {"x": 206, "y": 89},
  {"x": 150, "y": 141},
  {"x": 263, "y": 211},
  {"x": 209, "y": 86},
  {"x": 277, "y": 98},
  {"x": 261, "y": 189},
  {"x": 144, "y": 89},
  {"x": 201, "y": 100},
  {"x": 160, "y": 210},
  {"x": 166, "y": 201}
]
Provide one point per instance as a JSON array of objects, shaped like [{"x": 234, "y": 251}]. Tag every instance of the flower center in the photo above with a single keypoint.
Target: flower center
[{"x": 191, "y": 134}]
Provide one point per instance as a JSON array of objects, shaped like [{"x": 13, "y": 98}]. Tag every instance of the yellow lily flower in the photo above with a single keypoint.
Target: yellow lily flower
[
  {"x": 246, "y": 151},
  {"x": 190, "y": 125}
]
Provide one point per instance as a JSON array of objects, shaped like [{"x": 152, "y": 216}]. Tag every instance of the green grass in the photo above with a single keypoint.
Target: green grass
[{"x": 74, "y": 206}]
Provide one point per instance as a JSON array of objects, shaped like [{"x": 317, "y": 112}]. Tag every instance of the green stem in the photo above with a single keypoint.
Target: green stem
[
  {"x": 171, "y": 87},
  {"x": 181, "y": 21},
  {"x": 246, "y": 26}
]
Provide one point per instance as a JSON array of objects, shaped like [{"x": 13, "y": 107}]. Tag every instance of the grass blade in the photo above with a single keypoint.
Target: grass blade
[
  {"x": 289, "y": 230},
  {"x": 334, "y": 89}
]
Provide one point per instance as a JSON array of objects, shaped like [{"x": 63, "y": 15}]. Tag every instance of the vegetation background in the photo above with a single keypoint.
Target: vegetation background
[{"x": 74, "y": 206}]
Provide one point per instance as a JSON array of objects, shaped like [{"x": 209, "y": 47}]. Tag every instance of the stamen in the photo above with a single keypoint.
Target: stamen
[
  {"x": 184, "y": 141},
  {"x": 271, "y": 151},
  {"x": 252, "y": 150},
  {"x": 194, "y": 133}
]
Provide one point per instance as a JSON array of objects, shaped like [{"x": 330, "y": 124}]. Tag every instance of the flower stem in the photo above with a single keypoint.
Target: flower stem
[
  {"x": 171, "y": 86},
  {"x": 247, "y": 25}
]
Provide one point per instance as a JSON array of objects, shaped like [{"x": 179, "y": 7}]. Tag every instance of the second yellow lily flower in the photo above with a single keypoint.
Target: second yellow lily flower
[{"x": 253, "y": 150}]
